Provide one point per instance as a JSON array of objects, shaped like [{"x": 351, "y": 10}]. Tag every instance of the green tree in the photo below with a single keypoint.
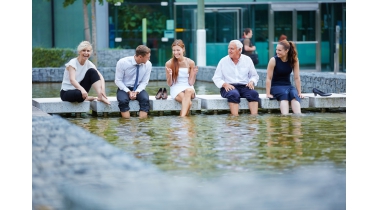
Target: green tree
[
  {"x": 130, "y": 16},
  {"x": 93, "y": 21}
]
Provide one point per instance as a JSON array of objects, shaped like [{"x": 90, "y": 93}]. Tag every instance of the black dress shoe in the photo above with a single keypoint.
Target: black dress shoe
[
  {"x": 164, "y": 94},
  {"x": 316, "y": 91},
  {"x": 159, "y": 94}
]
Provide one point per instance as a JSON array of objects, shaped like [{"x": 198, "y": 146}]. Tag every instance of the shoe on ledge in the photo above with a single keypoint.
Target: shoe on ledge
[
  {"x": 316, "y": 91},
  {"x": 164, "y": 94},
  {"x": 159, "y": 94}
]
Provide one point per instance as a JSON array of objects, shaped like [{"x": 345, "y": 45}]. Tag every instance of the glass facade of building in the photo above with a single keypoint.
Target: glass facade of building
[{"x": 311, "y": 25}]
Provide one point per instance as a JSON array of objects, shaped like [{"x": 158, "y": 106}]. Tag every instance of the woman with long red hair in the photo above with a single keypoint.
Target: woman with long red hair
[{"x": 181, "y": 74}]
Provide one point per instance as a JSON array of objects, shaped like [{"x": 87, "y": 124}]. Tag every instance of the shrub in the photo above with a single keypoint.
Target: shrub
[{"x": 51, "y": 57}]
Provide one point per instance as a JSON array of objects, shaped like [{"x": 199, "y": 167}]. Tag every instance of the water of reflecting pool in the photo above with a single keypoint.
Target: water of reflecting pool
[
  {"x": 208, "y": 146},
  {"x": 304, "y": 156},
  {"x": 205, "y": 145}
]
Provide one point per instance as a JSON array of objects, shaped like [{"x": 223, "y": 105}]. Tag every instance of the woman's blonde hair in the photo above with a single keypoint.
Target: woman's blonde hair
[{"x": 83, "y": 45}]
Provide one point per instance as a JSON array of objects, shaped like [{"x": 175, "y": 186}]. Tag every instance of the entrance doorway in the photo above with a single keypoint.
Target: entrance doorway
[
  {"x": 222, "y": 25},
  {"x": 300, "y": 23}
]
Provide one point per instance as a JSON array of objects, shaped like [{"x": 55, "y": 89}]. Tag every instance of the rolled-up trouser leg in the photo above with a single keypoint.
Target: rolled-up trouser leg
[
  {"x": 143, "y": 99},
  {"x": 233, "y": 96},
  {"x": 123, "y": 99}
]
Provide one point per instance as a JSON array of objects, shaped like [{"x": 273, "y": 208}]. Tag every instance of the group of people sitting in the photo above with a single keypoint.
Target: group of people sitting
[{"x": 235, "y": 75}]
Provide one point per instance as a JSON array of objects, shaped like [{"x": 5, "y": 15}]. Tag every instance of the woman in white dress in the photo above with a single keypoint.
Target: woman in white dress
[{"x": 181, "y": 73}]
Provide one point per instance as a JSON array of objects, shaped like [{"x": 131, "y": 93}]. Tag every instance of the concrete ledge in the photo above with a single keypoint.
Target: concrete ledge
[
  {"x": 333, "y": 101},
  {"x": 36, "y": 112},
  {"x": 98, "y": 106},
  {"x": 170, "y": 104},
  {"x": 266, "y": 103},
  {"x": 217, "y": 102},
  {"x": 207, "y": 102},
  {"x": 56, "y": 105}
]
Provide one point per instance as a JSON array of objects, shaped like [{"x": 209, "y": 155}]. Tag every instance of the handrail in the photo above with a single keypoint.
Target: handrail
[{"x": 301, "y": 42}]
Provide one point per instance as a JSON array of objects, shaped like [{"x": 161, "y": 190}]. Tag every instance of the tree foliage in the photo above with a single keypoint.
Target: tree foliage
[
  {"x": 52, "y": 57},
  {"x": 131, "y": 17},
  {"x": 70, "y": 2}
]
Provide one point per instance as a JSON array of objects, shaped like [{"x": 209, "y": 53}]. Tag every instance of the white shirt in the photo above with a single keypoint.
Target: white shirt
[
  {"x": 241, "y": 73},
  {"x": 125, "y": 74},
  {"x": 80, "y": 72}
]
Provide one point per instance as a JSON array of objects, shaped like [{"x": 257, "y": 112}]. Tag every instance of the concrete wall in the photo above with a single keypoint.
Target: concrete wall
[
  {"x": 110, "y": 57},
  {"x": 326, "y": 82}
]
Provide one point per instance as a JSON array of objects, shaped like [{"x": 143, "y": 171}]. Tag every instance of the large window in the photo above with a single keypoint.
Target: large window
[
  {"x": 333, "y": 15},
  {"x": 126, "y": 26}
]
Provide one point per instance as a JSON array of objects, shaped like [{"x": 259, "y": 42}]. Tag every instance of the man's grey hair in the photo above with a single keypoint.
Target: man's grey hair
[{"x": 238, "y": 44}]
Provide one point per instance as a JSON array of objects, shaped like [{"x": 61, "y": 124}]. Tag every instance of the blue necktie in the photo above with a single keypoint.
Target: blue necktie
[{"x": 137, "y": 77}]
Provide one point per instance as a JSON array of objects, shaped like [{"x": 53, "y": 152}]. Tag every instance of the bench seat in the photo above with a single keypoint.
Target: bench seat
[
  {"x": 99, "y": 106},
  {"x": 56, "y": 105},
  {"x": 154, "y": 105},
  {"x": 334, "y": 101},
  {"x": 217, "y": 102},
  {"x": 206, "y": 102},
  {"x": 170, "y": 104},
  {"x": 266, "y": 103}
]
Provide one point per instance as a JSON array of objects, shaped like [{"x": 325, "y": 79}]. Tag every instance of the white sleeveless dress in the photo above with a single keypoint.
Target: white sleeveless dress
[{"x": 182, "y": 83}]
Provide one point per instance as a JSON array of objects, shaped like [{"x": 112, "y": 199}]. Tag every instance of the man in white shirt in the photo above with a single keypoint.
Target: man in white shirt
[
  {"x": 131, "y": 77},
  {"x": 236, "y": 77}
]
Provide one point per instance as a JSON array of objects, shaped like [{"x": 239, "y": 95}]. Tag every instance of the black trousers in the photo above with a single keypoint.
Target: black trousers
[
  {"x": 75, "y": 95},
  {"x": 123, "y": 99}
]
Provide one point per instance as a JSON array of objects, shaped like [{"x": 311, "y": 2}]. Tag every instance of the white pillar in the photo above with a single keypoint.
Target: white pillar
[
  {"x": 102, "y": 36},
  {"x": 201, "y": 47}
]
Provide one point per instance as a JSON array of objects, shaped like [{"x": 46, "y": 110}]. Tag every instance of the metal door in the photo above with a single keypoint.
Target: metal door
[
  {"x": 222, "y": 25},
  {"x": 301, "y": 24}
]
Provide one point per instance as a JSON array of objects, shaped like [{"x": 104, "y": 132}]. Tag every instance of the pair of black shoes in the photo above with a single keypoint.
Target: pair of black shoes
[
  {"x": 316, "y": 91},
  {"x": 162, "y": 94}
]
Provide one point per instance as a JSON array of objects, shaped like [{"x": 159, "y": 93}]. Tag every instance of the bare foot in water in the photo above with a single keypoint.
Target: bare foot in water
[{"x": 90, "y": 98}]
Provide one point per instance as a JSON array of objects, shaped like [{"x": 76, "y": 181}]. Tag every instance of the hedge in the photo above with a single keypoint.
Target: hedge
[{"x": 51, "y": 57}]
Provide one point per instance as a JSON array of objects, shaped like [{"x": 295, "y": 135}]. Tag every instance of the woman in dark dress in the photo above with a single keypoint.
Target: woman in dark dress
[{"x": 278, "y": 85}]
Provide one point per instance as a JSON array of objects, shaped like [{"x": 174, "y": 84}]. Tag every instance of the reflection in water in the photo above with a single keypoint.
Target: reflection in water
[
  {"x": 209, "y": 146},
  {"x": 284, "y": 139}
]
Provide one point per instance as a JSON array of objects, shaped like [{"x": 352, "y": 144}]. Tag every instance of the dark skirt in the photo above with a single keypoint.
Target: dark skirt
[{"x": 284, "y": 93}]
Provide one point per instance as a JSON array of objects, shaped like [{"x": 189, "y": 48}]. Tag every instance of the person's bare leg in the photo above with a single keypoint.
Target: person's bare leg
[
  {"x": 284, "y": 107},
  {"x": 143, "y": 114},
  {"x": 103, "y": 87},
  {"x": 100, "y": 91},
  {"x": 90, "y": 98},
  {"x": 253, "y": 107},
  {"x": 234, "y": 107},
  {"x": 296, "y": 106},
  {"x": 103, "y": 84},
  {"x": 179, "y": 98},
  {"x": 186, "y": 102},
  {"x": 126, "y": 114}
]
